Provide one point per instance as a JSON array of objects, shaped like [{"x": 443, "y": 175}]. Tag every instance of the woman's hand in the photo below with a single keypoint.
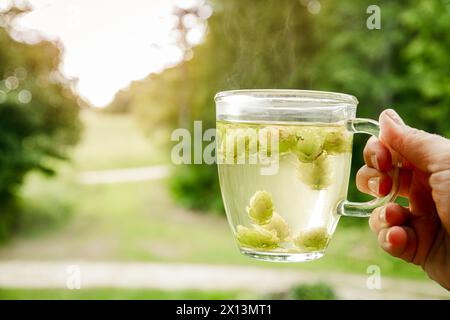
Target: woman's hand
[{"x": 420, "y": 233}]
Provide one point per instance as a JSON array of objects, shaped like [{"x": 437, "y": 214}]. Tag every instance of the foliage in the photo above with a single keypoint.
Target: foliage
[
  {"x": 314, "y": 291},
  {"x": 188, "y": 187},
  {"x": 319, "y": 291},
  {"x": 282, "y": 44},
  {"x": 38, "y": 111}
]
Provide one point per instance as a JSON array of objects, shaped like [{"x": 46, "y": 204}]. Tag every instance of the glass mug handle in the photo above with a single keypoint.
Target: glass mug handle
[{"x": 364, "y": 209}]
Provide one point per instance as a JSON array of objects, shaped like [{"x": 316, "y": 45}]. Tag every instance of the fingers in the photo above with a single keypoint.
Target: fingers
[
  {"x": 372, "y": 181},
  {"x": 400, "y": 242},
  {"x": 428, "y": 152},
  {"x": 376, "y": 183},
  {"x": 377, "y": 155},
  {"x": 393, "y": 236},
  {"x": 387, "y": 216}
]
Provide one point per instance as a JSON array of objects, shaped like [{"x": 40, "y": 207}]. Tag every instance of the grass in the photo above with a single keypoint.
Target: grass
[
  {"x": 117, "y": 294},
  {"x": 318, "y": 291},
  {"x": 113, "y": 141},
  {"x": 139, "y": 222}
]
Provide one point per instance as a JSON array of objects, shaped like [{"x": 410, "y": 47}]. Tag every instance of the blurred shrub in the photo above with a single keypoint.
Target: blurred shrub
[
  {"x": 46, "y": 203},
  {"x": 188, "y": 187},
  {"x": 43, "y": 214},
  {"x": 8, "y": 219},
  {"x": 320, "y": 291},
  {"x": 317, "y": 291},
  {"x": 283, "y": 44},
  {"x": 38, "y": 112}
]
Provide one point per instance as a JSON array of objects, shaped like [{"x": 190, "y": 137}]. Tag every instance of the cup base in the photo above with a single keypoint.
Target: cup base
[{"x": 282, "y": 257}]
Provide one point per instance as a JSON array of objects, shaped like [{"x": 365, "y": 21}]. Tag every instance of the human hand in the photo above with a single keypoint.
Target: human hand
[{"x": 419, "y": 234}]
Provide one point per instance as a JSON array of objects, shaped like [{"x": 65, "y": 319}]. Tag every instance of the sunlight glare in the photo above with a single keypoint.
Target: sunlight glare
[{"x": 108, "y": 44}]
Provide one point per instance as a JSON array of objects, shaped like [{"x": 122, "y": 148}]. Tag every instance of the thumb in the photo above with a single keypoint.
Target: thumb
[{"x": 426, "y": 151}]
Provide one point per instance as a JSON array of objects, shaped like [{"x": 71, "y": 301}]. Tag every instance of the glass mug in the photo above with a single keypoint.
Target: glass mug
[{"x": 284, "y": 159}]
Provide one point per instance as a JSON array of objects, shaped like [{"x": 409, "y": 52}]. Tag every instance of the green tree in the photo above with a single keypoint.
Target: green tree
[{"x": 38, "y": 113}]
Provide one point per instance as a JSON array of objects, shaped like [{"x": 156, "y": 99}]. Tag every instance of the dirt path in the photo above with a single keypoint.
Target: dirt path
[
  {"x": 166, "y": 276},
  {"x": 124, "y": 175}
]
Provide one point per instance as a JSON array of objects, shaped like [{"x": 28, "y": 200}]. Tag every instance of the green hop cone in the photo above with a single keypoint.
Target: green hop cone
[
  {"x": 265, "y": 136},
  {"x": 239, "y": 143},
  {"x": 284, "y": 136},
  {"x": 309, "y": 144},
  {"x": 338, "y": 140},
  {"x": 287, "y": 139},
  {"x": 314, "y": 239},
  {"x": 278, "y": 224},
  {"x": 261, "y": 207},
  {"x": 257, "y": 237},
  {"x": 317, "y": 174},
  {"x": 228, "y": 148}
]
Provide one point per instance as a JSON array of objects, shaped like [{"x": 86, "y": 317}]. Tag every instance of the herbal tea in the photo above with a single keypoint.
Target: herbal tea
[{"x": 291, "y": 214}]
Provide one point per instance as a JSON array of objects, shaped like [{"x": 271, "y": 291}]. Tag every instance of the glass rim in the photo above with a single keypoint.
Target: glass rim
[{"x": 292, "y": 95}]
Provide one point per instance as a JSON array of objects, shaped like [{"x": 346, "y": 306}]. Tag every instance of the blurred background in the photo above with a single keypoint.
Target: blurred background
[{"x": 90, "y": 92}]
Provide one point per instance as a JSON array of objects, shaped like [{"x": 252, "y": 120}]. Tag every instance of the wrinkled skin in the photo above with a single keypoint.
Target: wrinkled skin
[{"x": 420, "y": 233}]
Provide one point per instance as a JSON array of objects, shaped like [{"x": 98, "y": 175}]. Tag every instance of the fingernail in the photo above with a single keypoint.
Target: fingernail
[
  {"x": 374, "y": 185},
  {"x": 374, "y": 160},
  {"x": 394, "y": 117}
]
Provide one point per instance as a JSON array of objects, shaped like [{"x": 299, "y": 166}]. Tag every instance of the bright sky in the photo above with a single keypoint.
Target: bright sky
[{"x": 108, "y": 43}]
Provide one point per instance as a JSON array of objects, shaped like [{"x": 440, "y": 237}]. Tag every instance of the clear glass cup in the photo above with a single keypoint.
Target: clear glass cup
[{"x": 284, "y": 159}]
